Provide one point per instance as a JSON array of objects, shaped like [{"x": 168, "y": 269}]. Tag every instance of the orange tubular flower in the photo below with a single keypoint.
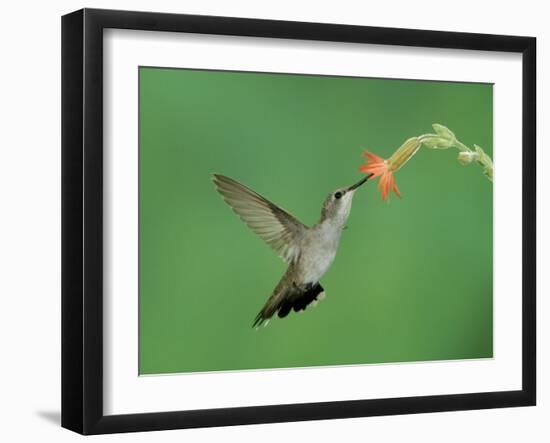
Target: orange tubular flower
[
  {"x": 378, "y": 167},
  {"x": 385, "y": 169}
]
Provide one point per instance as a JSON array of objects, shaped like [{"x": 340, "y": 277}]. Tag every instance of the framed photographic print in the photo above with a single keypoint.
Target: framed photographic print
[{"x": 269, "y": 221}]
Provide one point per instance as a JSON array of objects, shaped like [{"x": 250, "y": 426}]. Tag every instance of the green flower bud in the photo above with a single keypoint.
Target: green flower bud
[
  {"x": 466, "y": 157},
  {"x": 444, "y": 132},
  {"x": 435, "y": 142},
  {"x": 485, "y": 161}
]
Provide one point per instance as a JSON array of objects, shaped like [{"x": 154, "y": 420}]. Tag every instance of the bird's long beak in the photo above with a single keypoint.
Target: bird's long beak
[{"x": 359, "y": 183}]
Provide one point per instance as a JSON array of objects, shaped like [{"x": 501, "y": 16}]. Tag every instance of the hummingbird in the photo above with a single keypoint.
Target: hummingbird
[{"x": 308, "y": 251}]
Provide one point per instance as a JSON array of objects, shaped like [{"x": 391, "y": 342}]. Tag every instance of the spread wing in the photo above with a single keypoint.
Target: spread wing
[{"x": 274, "y": 225}]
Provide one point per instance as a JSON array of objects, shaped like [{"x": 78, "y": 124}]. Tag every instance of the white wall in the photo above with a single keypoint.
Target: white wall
[{"x": 30, "y": 218}]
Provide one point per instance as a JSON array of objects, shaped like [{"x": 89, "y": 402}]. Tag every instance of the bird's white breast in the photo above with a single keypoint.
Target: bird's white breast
[{"x": 318, "y": 255}]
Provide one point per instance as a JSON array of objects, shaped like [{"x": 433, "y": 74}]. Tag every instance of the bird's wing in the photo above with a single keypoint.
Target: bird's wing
[{"x": 274, "y": 225}]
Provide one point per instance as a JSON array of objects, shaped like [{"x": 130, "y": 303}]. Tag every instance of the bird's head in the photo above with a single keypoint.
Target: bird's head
[{"x": 337, "y": 205}]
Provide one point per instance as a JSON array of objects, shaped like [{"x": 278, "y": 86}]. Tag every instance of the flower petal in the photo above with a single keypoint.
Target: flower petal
[
  {"x": 385, "y": 182},
  {"x": 394, "y": 187},
  {"x": 375, "y": 165},
  {"x": 373, "y": 157}
]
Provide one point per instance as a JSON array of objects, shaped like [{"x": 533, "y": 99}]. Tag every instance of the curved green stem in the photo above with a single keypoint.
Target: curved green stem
[{"x": 445, "y": 138}]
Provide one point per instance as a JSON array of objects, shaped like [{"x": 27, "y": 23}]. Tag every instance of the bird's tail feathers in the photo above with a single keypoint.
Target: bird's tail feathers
[
  {"x": 269, "y": 309},
  {"x": 294, "y": 298}
]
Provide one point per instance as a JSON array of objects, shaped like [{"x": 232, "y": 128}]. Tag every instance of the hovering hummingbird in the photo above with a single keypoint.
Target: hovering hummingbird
[{"x": 309, "y": 251}]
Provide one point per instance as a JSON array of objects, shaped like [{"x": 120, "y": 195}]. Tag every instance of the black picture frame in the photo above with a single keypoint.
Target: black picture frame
[{"x": 82, "y": 220}]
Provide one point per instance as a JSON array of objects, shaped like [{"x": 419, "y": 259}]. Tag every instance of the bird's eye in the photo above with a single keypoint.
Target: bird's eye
[{"x": 338, "y": 195}]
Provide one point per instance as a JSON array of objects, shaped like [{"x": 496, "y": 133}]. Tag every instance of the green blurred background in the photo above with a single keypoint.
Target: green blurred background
[{"x": 412, "y": 279}]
